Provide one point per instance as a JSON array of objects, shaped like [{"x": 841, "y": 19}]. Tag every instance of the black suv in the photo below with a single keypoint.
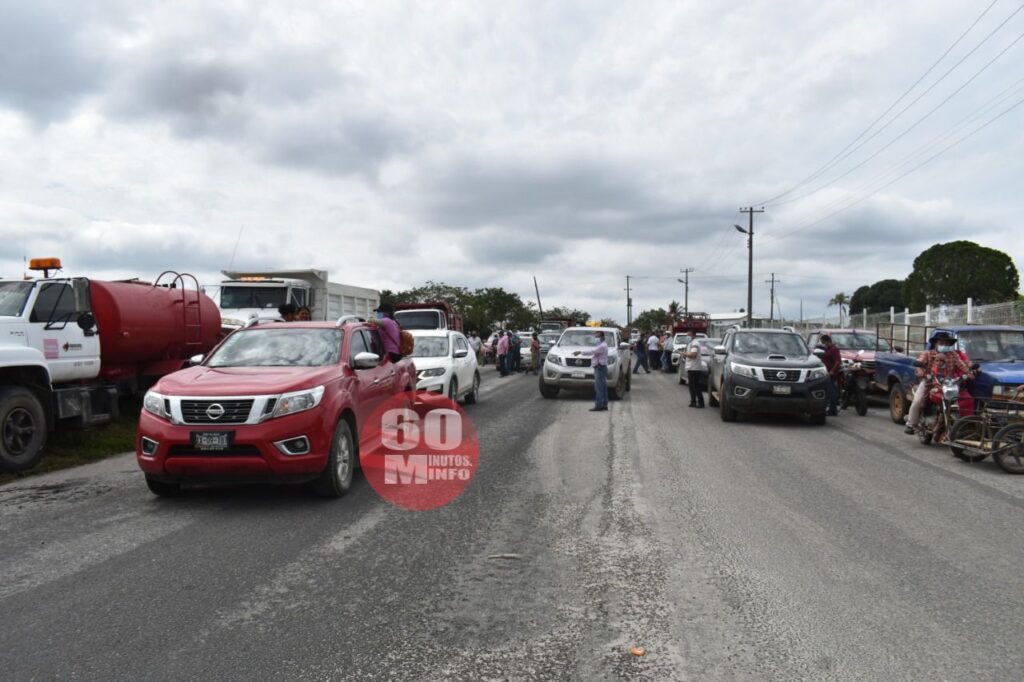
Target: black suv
[{"x": 767, "y": 371}]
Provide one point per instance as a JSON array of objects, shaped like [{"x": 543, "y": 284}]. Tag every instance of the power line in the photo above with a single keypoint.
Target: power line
[
  {"x": 909, "y": 128},
  {"x": 835, "y": 159},
  {"x": 903, "y": 175}
]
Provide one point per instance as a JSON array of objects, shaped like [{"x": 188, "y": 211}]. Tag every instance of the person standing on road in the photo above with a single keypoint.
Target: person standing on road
[
  {"x": 502, "y": 354},
  {"x": 653, "y": 352},
  {"x": 476, "y": 345},
  {"x": 599, "y": 361},
  {"x": 390, "y": 334},
  {"x": 535, "y": 353},
  {"x": 641, "y": 356},
  {"x": 666, "y": 351},
  {"x": 695, "y": 368},
  {"x": 833, "y": 361}
]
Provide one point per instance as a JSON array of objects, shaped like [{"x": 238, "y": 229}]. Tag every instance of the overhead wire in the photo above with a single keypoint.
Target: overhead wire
[{"x": 835, "y": 159}]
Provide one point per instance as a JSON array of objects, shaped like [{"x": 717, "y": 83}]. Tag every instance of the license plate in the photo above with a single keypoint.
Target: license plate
[
  {"x": 579, "y": 375},
  {"x": 782, "y": 390},
  {"x": 212, "y": 441}
]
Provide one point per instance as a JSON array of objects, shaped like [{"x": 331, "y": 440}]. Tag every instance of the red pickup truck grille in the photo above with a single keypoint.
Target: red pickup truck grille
[{"x": 207, "y": 412}]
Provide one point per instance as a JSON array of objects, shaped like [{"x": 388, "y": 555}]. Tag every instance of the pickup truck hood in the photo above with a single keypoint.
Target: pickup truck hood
[
  {"x": 227, "y": 381},
  {"x": 787, "y": 362},
  {"x": 1005, "y": 372}
]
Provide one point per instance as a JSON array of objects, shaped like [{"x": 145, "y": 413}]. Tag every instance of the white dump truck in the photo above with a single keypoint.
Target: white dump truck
[{"x": 244, "y": 295}]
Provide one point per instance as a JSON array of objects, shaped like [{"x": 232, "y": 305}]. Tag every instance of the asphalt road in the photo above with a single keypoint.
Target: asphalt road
[{"x": 762, "y": 550}]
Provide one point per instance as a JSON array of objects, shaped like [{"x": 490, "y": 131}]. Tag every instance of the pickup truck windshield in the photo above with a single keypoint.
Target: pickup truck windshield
[
  {"x": 986, "y": 346},
  {"x": 430, "y": 347},
  {"x": 265, "y": 298},
  {"x": 855, "y": 341},
  {"x": 279, "y": 348},
  {"x": 12, "y": 297},
  {"x": 769, "y": 344},
  {"x": 583, "y": 338}
]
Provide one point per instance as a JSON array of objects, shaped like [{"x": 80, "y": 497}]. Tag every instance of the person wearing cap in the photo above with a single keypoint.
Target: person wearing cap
[
  {"x": 390, "y": 334},
  {"x": 599, "y": 361},
  {"x": 941, "y": 359}
]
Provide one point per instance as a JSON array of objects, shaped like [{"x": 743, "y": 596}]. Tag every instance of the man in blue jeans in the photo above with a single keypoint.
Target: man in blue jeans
[{"x": 599, "y": 361}]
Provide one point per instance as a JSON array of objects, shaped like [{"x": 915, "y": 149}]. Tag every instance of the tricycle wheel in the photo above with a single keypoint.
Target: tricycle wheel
[
  {"x": 1008, "y": 448},
  {"x": 967, "y": 438}
]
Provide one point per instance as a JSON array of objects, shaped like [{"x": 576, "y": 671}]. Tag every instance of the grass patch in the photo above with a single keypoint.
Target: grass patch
[{"x": 73, "y": 447}]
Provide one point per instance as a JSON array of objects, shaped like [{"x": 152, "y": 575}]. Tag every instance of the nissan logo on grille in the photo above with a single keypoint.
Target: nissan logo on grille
[
  {"x": 781, "y": 375},
  {"x": 215, "y": 411}
]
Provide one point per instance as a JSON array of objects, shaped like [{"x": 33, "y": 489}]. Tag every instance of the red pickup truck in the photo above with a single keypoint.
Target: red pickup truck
[{"x": 281, "y": 402}]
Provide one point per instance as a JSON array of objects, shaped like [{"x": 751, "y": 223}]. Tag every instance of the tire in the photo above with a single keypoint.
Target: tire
[
  {"x": 818, "y": 419},
  {"x": 163, "y": 488},
  {"x": 1011, "y": 461},
  {"x": 549, "y": 392},
  {"x": 862, "y": 403},
  {"x": 898, "y": 407},
  {"x": 616, "y": 392},
  {"x": 967, "y": 429},
  {"x": 629, "y": 380},
  {"x": 22, "y": 429},
  {"x": 336, "y": 478},
  {"x": 727, "y": 413},
  {"x": 712, "y": 400},
  {"x": 926, "y": 431},
  {"x": 453, "y": 390},
  {"x": 474, "y": 394}
]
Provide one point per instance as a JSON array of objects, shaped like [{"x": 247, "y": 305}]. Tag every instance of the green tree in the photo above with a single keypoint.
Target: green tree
[
  {"x": 651, "y": 319},
  {"x": 840, "y": 300},
  {"x": 609, "y": 322},
  {"x": 558, "y": 312},
  {"x": 675, "y": 310},
  {"x": 878, "y": 297},
  {"x": 951, "y": 273}
]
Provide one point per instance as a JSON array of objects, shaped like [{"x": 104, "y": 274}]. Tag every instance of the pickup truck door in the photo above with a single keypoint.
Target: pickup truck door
[
  {"x": 70, "y": 352},
  {"x": 370, "y": 380}
]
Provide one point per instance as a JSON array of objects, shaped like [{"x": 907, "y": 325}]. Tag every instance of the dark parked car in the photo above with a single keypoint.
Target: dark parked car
[{"x": 767, "y": 371}]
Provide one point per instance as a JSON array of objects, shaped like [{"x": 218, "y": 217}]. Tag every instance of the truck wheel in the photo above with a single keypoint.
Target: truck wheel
[
  {"x": 897, "y": 403},
  {"x": 548, "y": 391},
  {"x": 163, "y": 488},
  {"x": 22, "y": 429},
  {"x": 336, "y": 478},
  {"x": 727, "y": 413},
  {"x": 1009, "y": 446}
]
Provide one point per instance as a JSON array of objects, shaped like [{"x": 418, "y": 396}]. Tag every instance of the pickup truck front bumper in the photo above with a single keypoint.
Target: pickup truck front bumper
[{"x": 764, "y": 397}]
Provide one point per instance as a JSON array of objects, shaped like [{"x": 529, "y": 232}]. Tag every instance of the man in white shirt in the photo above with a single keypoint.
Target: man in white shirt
[
  {"x": 696, "y": 368},
  {"x": 653, "y": 352}
]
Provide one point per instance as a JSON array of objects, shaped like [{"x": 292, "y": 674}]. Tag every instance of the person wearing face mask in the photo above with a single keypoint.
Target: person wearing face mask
[
  {"x": 941, "y": 360},
  {"x": 390, "y": 334},
  {"x": 599, "y": 361}
]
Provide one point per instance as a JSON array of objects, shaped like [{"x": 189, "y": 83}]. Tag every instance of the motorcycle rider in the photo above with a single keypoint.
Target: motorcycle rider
[{"x": 942, "y": 359}]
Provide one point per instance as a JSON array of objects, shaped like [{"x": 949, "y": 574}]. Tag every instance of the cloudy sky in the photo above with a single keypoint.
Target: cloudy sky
[{"x": 485, "y": 143}]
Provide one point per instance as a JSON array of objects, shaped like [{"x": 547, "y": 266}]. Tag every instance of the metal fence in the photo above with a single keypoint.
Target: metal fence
[{"x": 1009, "y": 313}]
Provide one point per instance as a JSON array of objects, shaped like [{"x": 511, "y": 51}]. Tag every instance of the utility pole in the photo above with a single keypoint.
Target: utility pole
[
  {"x": 750, "y": 211},
  {"x": 629, "y": 306},
  {"x": 540, "y": 308},
  {"x": 772, "y": 281},
  {"x": 686, "y": 292}
]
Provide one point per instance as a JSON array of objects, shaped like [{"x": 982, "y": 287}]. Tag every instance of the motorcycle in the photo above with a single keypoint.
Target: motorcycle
[
  {"x": 853, "y": 382},
  {"x": 942, "y": 408}
]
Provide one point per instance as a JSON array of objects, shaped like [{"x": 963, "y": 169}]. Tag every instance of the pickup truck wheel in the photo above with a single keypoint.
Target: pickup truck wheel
[
  {"x": 616, "y": 392},
  {"x": 897, "y": 403},
  {"x": 712, "y": 400},
  {"x": 336, "y": 478},
  {"x": 22, "y": 429},
  {"x": 548, "y": 391},
  {"x": 163, "y": 488},
  {"x": 818, "y": 419},
  {"x": 474, "y": 393},
  {"x": 727, "y": 413},
  {"x": 629, "y": 380}
]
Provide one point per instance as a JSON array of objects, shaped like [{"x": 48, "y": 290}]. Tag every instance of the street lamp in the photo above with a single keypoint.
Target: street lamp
[{"x": 750, "y": 271}]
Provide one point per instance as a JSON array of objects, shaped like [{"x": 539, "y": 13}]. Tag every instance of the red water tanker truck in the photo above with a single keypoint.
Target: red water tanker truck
[{"x": 69, "y": 347}]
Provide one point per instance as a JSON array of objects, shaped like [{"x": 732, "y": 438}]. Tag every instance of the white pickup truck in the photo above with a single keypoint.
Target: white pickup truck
[{"x": 564, "y": 369}]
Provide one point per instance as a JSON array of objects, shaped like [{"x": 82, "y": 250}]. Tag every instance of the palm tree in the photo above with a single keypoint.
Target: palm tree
[
  {"x": 674, "y": 312},
  {"x": 841, "y": 300}
]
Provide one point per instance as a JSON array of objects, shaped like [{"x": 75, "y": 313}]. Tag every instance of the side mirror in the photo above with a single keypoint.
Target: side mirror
[
  {"x": 196, "y": 359},
  {"x": 820, "y": 352},
  {"x": 623, "y": 346},
  {"x": 461, "y": 353},
  {"x": 720, "y": 350},
  {"x": 366, "y": 360},
  {"x": 86, "y": 321}
]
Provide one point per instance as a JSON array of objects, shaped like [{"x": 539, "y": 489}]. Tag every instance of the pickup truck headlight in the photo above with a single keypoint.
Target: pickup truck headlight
[
  {"x": 742, "y": 370},
  {"x": 817, "y": 373},
  {"x": 299, "y": 401},
  {"x": 155, "y": 403},
  {"x": 554, "y": 358},
  {"x": 434, "y": 372}
]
